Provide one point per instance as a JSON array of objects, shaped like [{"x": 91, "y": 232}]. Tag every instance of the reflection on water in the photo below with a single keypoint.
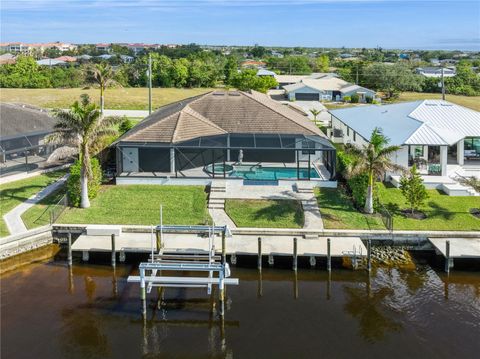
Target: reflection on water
[{"x": 89, "y": 311}]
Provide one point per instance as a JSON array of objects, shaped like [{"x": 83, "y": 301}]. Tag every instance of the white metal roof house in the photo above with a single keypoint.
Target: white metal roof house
[
  {"x": 435, "y": 71},
  {"x": 442, "y": 138},
  {"x": 326, "y": 88}
]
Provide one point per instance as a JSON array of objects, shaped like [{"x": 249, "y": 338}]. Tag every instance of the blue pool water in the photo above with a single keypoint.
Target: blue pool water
[{"x": 271, "y": 173}]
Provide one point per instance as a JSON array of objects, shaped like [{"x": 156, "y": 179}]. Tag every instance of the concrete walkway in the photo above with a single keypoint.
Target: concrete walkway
[
  {"x": 13, "y": 219},
  {"x": 221, "y": 218}
]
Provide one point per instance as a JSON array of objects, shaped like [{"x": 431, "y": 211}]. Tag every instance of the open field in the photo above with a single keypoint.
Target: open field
[
  {"x": 138, "y": 204},
  {"x": 472, "y": 102},
  {"x": 265, "y": 213},
  {"x": 131, "y": 98},
  {"x": 443, "y": 212},
  {"x": 14, "y": 193}
]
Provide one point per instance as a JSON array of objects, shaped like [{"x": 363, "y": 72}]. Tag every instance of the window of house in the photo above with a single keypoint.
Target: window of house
[
  {"x": 418, "y": 151},
  {"x": 348, "y": 131},
  {"x": 354, "y": 136}
]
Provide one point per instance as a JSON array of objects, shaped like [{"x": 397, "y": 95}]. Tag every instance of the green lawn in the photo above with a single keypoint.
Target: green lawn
[
  {"x": 443, "y": 212},
  {"x": 39, "y": 215},
  {"x": 14, "y": 193},
  {"x": 125, "y": 98},
  {"x": 265, "y": 213},
  {"x": 338, "y": 212},
  {"x": 140, "y": 204}
]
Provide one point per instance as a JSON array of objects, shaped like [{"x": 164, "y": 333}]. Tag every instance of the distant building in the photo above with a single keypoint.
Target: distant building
[
  {"x": 20, "y": 47},
  {"x": 51, "y": 62},
  {"x": 253, "y": 64},
  {"x": 435, "y": 71},
  {"x": 103, "y": 47},
  {"x": 7, "y": 58},
  {"x": 326, "y": 88}
]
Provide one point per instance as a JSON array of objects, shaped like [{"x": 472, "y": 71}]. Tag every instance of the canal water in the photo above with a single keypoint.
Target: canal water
[{"x": 50, "y": 311}]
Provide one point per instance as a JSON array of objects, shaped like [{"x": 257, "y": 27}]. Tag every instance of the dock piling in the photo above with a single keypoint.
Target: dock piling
[
  {"x": 224, "y": 249},
  {"x": 447, "y": 256},
  {"x": 143, "y": 294},
  {"x": 221, "y": 287},
  {"x": 259, "y": 260},
  {"x": 70, "y": 261},
  {"x": 295, "y": 258},
  {"x": 159, "y": 240},
  {"x": 114, "y": 259},
  {"x": 270, "y": 260},
  {"x": 313, "y": 261},
  {"x": 369, "y": 255},
  {"x": 329, "y": 256}
]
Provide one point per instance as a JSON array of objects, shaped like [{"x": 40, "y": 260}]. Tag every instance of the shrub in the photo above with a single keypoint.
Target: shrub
[
  {"x": 413, "y": 189},
  {"x": 375, "y": 102},
  {"x": 347, "y": 98},
  {"x": 358, "y": 187},
  {"x": 73, "y": 182},
  {"x": 344, "y": 160},
  {"x": 125, "y": 126},
  {"x": 354, "y": 98},
  {"x": 369, "y": 99}
]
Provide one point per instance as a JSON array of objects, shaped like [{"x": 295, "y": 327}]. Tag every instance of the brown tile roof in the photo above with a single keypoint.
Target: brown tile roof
[{"x": 217, "y": 113}]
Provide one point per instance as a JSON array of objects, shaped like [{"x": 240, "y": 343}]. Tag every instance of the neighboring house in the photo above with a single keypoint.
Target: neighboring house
[
  {"x": 435, "y": 71},
  {"x": 434, "y": 134},
  {"x": 264, "y": 72},
  {"x": 103, "y": 47},
  {"x": 51, "y": 62},
  {"x": 84, "y": 57},
  {"x": 23, "y": 129},
  {"x": 7, "y": 59},
  {"x": 284, "y": 80},
  {"x": 41, "y": 47},
  {"x": 326, "y": 88},
  {"x": 66, "y": 58},
  {"x": 225, "y": 134}
]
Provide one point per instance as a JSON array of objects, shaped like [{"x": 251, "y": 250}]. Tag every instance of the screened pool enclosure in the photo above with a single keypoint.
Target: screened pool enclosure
[{"x": 248, "y": 156}]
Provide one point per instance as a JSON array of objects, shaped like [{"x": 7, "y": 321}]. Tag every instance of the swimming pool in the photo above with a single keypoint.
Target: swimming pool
[{"x": 271, "y": 173}]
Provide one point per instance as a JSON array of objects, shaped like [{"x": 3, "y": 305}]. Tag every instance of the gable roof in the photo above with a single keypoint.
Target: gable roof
[
  {"x": 428, "y": 122},
  {"x": 218, "y": 113},
  {"x": 22, "y": 120}
]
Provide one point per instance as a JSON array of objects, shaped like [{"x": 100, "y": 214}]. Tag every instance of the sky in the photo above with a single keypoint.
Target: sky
[{"x": 404, "y": 24}]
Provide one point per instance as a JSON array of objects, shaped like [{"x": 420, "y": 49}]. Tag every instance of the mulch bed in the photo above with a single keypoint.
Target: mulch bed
[
  {"x": 415, "y": 215},
  {"x": 475, "y": 212}
]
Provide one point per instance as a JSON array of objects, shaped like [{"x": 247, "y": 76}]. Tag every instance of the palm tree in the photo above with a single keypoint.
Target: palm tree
[
  {"x": 82, "y": 127},
  {"x": 102, "y": 75},
  {"x": 315, "y": 113},
  {"x": 373, "y": 159}
]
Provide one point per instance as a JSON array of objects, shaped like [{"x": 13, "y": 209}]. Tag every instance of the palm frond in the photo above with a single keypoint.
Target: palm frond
[{"x": 62, "y": 153}]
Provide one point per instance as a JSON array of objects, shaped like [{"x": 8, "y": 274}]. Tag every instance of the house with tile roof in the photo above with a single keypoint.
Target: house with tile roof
[
  {"x": 228, "y": 135},
  {"x": 440, "y": 137}
]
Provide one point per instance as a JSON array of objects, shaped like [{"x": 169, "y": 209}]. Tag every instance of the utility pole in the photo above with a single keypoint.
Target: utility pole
[
  {"x": 149, "y": 84},
  {"x": 356, "y": 82},
  {"x": 443, "y": 84}
]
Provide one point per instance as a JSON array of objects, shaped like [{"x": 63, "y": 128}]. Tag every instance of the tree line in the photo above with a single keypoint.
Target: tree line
[{"x": 193, "y": 67}]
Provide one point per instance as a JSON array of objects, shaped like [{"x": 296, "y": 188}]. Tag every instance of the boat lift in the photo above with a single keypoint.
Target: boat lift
[{"x": 185, "y": 261}]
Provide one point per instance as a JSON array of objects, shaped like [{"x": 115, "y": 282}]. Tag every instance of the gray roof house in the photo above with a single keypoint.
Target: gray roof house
[
  {"x": 326, "y": 88},
  {"x": 435, "y": 71},
  {"x": 226, "y": 134},
  {"x": 23, "y": 129},
  {"x": 441, "y": 138}
]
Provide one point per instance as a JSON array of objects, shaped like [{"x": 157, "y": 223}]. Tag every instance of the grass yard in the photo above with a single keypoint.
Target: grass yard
[
  {"x": 14, "y": 193},
  {"x": 472, "y": 102},
  {"x": 338, "y": 212},
  {"x": 39, "y": 215},
  {"x": 443, "y": 212},
  {"x": 140, "y": 204},
  {"x": 265, "y": 213},
  {"x": 127, "y": 98}
]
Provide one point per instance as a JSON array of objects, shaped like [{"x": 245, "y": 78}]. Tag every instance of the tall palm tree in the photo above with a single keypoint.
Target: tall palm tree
[
  {"x": 103, "y": 75},
  {"x": 373, "y": 159},
  {"x": 315, "y": 113},
  {"x": 83, "y": 127}
]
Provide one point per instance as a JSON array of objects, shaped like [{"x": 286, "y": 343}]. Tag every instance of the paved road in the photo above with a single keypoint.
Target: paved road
[
  {"x": 13, "y": 219},
  {"x": 128, "y": 113}
]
